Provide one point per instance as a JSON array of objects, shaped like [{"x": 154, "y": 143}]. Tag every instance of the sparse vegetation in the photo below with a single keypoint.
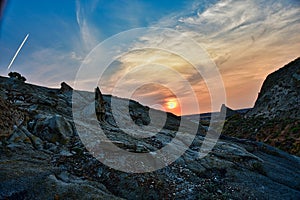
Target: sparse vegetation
[
  {"x": 16, "y": 76},
  {"x": 279, "y": 133}
]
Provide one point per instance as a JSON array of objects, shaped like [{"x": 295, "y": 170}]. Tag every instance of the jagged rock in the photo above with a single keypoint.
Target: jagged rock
[
  {"x": 228, "y": 112},
  {"x": 139, "y": 113},
  {"x": 99, "y": 105},
  {"x": 64, "y": 87}
]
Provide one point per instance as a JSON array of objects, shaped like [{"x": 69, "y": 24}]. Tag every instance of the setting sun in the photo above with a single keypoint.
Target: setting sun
[{"x": 171, "y": 104}]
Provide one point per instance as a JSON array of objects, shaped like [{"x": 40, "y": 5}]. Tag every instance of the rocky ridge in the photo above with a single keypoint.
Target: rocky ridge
[
  {"x": 43, "y": 157},
  {"x": 279, "y": 96},
  {"x": 275, "y": 117}
]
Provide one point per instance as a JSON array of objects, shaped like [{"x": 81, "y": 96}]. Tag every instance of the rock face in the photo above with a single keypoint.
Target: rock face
[
  {"x": 43, "y": 157},
  {"x": 279, "y": 96},
  {"x": 275, "y": 118}
]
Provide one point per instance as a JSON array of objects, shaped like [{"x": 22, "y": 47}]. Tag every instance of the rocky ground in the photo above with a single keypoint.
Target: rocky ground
[{"x": 42, "y": 156}]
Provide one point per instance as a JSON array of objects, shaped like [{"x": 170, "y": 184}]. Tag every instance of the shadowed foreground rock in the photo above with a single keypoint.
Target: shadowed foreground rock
[{"x": 42, "y": 156}]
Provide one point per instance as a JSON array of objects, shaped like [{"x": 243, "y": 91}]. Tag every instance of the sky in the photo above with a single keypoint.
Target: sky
[{"x": 245, "y": 39}]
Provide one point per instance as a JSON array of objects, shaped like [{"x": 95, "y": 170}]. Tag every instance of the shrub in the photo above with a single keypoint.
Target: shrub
[{"x": 17, "y": 76}]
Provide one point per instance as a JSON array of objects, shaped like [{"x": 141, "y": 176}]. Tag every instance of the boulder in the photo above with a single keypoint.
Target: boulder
[{"x": 53, "y": 129}]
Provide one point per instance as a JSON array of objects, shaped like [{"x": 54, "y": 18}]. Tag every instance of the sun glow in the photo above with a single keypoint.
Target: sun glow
[{"x": 171, "y": 104}]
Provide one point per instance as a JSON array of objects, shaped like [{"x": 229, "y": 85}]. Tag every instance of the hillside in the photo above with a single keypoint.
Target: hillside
[
  {"x": 275, "y": 117},
  {"x": 279, "y": 96}
]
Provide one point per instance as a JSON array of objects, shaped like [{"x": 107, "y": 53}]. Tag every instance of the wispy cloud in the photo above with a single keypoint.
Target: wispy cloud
[{"x": 87, "y": 31}]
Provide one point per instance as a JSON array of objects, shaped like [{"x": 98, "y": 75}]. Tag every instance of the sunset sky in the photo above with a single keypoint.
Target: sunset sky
[{"x": 246, "y": 39}]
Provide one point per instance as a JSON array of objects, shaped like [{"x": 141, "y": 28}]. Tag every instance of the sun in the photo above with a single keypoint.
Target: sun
[{"x": 171, "y": 104}]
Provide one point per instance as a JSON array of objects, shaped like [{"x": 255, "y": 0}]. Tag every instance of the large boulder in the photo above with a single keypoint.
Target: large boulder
[{"x": 54, "y": 129}]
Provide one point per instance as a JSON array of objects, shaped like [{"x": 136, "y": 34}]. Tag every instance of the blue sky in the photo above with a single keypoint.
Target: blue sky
[
  {"x": 54, "y": 23},
  {"x": 53, "y": 26},
  {"x": 246, "y": 39}
]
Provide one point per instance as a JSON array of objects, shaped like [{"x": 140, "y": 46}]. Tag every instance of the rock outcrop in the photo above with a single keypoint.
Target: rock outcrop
[
  {"x": 279, "y": 96},
  {"x": 99, "y": 105},
  {"x": 43, "y": 157},
  {"x": 64, "y": 87},
  {"x": 275, "y": 118},
  {"x": 228, "y": 112}
]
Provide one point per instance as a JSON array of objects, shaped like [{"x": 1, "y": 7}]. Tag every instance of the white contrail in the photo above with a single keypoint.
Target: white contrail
[{"x": 20, "y": 47}]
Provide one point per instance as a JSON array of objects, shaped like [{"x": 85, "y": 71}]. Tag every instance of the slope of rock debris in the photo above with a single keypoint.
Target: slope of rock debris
[
  {"x": 43, "y": 157},
  {"x": 10, "y": 116}
]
